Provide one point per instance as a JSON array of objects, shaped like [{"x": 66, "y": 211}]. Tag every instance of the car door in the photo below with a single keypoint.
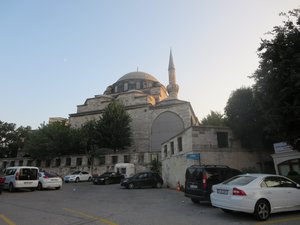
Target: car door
[
  {"x": 275, "y": 193},
  {"x": 292, "y": 193}
]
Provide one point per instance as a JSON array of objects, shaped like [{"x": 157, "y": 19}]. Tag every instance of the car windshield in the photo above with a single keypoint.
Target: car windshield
[
  {"x": 239, "y": 180},
  {"x": 76, "y": 172}
]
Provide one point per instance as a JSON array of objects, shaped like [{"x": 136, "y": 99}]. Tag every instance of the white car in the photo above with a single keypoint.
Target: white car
[
  {"x": 78, "y": 176},
  {"x": 21, "y": 177},
  {"x": 49, "y": 180},
  {"x": 260, "y": 194}
]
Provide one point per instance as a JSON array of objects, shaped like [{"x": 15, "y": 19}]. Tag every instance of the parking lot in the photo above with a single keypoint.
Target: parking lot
[{"x": 85, "y": 203}]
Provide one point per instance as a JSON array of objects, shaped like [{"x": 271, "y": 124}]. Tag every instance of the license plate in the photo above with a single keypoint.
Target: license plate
[
  {"x": 222, "y": 191},
  {"x": 27, "y": 182},
  {"x": 193, "y": 186}
]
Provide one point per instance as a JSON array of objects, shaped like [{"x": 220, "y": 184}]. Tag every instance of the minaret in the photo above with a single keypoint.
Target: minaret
[{"x": 172, "y": 86}]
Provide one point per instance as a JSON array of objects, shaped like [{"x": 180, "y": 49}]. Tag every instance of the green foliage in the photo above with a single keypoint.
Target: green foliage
[
  {"x": 277, "y": 87},
  {"x": 113, "y": 129},
  {"x": 155, "y": 166},
  {"x": 243, "y": 117},
  {"x": 11, "y": 139},
  {"x": 53, "y": 140},
  {"x": 214, "y": 119}
]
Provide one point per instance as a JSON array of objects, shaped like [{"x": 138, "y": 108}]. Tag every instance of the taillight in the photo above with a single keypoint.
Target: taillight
[
  {"x": 204, "y": 185},
  {"x": 17, "y": 176},
  {"x": 238, "y": 192},
  {"x": 2, "y": 180},
  {"x": 46, "y": 177}
]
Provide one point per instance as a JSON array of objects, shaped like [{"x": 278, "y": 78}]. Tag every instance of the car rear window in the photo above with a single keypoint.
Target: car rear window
[
  {"x": 194, "y": 174},
  {"x": 28, "y": 174},
  {"x": 239, "y": 180}
]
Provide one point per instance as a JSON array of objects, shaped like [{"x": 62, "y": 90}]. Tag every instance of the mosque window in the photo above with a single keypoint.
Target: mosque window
[
  {"x": 126, "y": 158},
  {"x": 116, "y": 89},
  {"x": 132, "y": 86},
  {"x": 172, "y": 147},
  {"x": 114, "y": 159},
  {"x": 21, "y": 163},
  {"x": 125, "y": 86},
  {"x": 222, "y": 138},
  {"x": 138, "y": 85},
  {"x": 57, "y": 162},
  {"x": 78, "y": 161},
  {"x": 166, "y": 151},
  {"x": 68, "y": 161},
  {"x": 179, "y": 143}
]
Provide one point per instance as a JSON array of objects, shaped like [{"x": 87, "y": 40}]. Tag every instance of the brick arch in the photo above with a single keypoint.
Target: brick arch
[{"x": 165, "y": 126}]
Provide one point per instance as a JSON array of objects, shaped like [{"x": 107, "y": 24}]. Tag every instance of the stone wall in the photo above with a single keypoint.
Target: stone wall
[{"x": 203, "y": 140}]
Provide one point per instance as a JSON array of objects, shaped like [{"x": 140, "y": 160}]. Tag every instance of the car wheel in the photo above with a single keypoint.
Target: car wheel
[
  {"x": 131, "y": 186},
  {"x": 77, "y": 180},
  {"x": 57, "y": 188},
  {"x": 227, "y": 210},
  {"x": 158, "y": 185},
  {"x": 106, "y": 182},
  {"x": 195, "y": 200},
  {"x": 11, "y": 188},
  {"x": 40, "y": 186},
  {"x": 262, "y": 210},
  {"x": 32, "y": 189}
]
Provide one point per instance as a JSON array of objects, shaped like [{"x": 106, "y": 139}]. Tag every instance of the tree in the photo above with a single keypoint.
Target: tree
[
  {"x": 243, "y": 117},
  {"x": 113, "y": 128},
  {"x": 214, "y": 119},
  {"x": 53, "y": 140},
  {"x": 277, "y": 80},
  {"x": 11, "y": 139},
  {"x": 89, "y": 139}
]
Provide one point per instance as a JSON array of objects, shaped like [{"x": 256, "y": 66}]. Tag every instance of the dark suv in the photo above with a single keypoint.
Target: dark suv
[{"x": 199, "y": 180}]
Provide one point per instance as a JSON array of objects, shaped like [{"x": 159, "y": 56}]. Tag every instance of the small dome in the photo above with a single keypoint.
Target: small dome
[{"x": 138, "y": 75}]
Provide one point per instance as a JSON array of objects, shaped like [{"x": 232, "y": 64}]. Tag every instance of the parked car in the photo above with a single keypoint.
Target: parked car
[
  {"x": 78, "y": 176},
  {"x": 258, "y": 194},
  {"x": 2, "y": 179},
  {"x": 108, "y": 178},
  {"x": 199, "y": 180},
  {"x": 49, "y": 180},
  {"x": 143, "y": 179},
  {"x": 21, "y": 177}
]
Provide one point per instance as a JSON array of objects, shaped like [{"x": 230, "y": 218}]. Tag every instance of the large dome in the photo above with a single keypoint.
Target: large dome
[{"x": 138, "y": 75}]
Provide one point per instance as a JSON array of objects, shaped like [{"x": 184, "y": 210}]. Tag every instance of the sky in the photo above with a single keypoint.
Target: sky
[{"x": 56, "y": 54}]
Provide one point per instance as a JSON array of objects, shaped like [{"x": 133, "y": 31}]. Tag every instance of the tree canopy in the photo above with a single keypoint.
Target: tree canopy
[
  {"x": 277, "y": 80},
  {"x": 214, "y": 119},
  {"x": 243, "y": 117},
  {"x": 113, "y": 129},
  {"x": 12, "y": 138},
  {"x": 52, "y": 140}
]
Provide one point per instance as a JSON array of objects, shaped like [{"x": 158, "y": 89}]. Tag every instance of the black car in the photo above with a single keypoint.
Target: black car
[
  {"x": 108, "y": 178},
  {"x": 200, "y": 179},
  {"x": 143, "y": 179}
]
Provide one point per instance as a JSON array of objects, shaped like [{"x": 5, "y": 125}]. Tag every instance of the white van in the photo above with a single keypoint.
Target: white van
[
  {"x": 126, "y": 169},
  {"x": 21, "y": 177}
]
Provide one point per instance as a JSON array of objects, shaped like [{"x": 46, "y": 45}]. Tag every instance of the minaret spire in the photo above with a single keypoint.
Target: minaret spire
[{"x": 172, "y": 86}]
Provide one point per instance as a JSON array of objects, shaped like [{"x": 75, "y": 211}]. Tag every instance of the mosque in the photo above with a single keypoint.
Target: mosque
[{"x": 157, "y": 113}]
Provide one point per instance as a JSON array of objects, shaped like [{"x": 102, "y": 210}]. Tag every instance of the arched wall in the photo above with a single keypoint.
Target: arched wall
[{"x": 165, "y": 126}]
